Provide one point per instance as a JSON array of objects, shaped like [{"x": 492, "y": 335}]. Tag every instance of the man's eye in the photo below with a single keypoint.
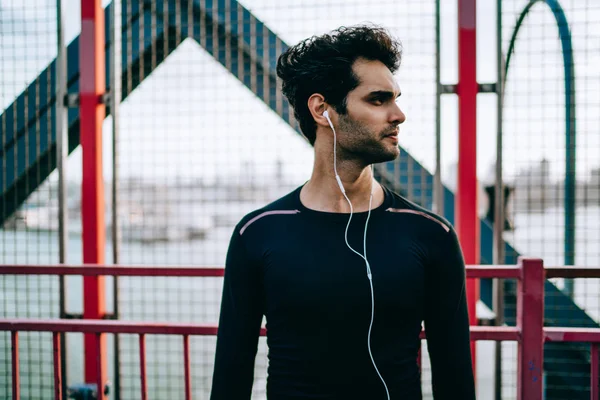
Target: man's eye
[{"x": 377, "y": 102}]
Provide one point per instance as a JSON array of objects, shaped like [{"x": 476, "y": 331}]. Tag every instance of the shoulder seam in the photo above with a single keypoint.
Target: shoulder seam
[
  {"x": 264, "y": 214},
  {"x": 409, "y": 211}
]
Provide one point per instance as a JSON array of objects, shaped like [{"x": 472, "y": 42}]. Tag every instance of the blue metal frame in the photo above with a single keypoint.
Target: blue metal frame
[
  {"x": 560, "y": 386},
  {"x": 570, "y": 118}
]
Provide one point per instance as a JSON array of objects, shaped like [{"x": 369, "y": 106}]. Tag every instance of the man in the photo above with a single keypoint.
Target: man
[{"x": 344, "y": 322}]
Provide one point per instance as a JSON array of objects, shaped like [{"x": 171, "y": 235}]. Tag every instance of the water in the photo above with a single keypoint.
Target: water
[{"x": 196, "y": 300}]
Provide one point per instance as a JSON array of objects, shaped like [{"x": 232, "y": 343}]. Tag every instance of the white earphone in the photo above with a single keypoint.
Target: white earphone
[{"x": 364, "y": 257}]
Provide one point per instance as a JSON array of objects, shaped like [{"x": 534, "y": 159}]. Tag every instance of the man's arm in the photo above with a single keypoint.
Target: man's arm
[
  {"x": 239, "y": 325},
  {"x": 447, "y": 321}
]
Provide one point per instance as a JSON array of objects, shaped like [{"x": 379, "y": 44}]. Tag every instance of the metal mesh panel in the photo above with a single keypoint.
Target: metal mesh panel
[
  {"x": 205, "y": 137},
  {"x": 201, "y": 144},
  {"x": 537, "y": 120},
  {"x": 27, "y": 46}
]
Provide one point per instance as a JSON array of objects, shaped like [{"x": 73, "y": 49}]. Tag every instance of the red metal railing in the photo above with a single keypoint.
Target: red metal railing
[{"x": 529, "y": 331}]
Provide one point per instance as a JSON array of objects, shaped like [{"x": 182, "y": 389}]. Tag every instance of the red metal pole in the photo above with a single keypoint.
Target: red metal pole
[
  {"x": 16, "y": 382},
  {"x": 92, "y": 113},
  {"x": 186, "y": 367},
  {"x": 144, "y": 387},
  {"x": 530, "y": 321},
  {"x": 467, "y": 221},
  {"x": 57, "y": 366}
]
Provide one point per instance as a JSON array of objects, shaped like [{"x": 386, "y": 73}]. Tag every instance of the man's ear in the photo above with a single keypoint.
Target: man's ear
[{"x": 317, "y": 106}]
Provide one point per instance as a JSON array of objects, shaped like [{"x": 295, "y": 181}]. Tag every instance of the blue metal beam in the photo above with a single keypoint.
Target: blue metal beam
[{"x": 18, "y": 183}]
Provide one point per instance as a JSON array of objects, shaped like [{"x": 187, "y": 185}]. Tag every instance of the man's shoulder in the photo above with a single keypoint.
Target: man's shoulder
[
  {"x": 284, "y": 205},
  {"x": 401, "y": 205}
]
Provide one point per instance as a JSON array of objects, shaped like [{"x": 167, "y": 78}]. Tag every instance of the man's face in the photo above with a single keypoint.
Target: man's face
[{"x": 369, "y": 129}]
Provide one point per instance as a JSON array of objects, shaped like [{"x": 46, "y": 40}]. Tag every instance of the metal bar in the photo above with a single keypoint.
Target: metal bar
[
  {"x": 115, "y": 95},
  {"x": 16, "y": 382},
  {"x": 203, "y": 28},
  {"x": 487, "y": 87},
  {"x": 591, "y": 335},
  {"x": 24, "y": 113},
  {"x": 499, "y": 245},
  {"x": 594, "y": 381},
  {"x": 129, "y": 44},
  {"x": 107, "y": 326},
  {"x": 530, "y": 320},
  {"x": 115, "y": 102},
  {"x": 278, "y": 92},
  {"x": 240, "y": 47},
  {"x": 15, "y": 166},
  {"x": 64, "y": 351},
  {"x": 572, "y": 272},
  {"x": 494, "y": 333},
  {"x": 143, "y": 387},
  {"x": 190, "y": 20},
  {"x": 99, "y": 270},
  {"x": 266, "y": 71},
  {"x": 166, "y": 28},
  {"x": 473, "y": 271},
  {"x": 58, "y": 377},
  {"x": 178, "y": 23},
  {"x": 227, "y": 37},
  {"x": 91, "y": 113},
  {"x": 467, "y": 220},
  {"x": 186, "y": 367},
  {"x": 493, "y": 271},
  {"x": 253, "y": 56},
  {"x": 154, "y": 30},
  {"x": 142, "y": 38},
  {"x": 62, "y": 151},
  {"x": 570, "y": 140}
]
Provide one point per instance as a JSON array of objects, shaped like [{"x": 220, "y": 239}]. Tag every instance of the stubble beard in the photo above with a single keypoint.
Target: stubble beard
[{"x": 361, "y": 143}]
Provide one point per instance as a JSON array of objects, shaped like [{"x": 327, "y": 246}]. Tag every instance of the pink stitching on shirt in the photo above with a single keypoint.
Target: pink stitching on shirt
[{"x": 259, "y": 216}]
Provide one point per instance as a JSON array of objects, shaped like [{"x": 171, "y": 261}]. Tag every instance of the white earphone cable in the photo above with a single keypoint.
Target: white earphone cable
[{"x": 369, "y": 274}]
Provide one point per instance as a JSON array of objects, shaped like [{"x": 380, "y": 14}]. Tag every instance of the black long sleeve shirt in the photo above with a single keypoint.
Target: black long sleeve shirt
[{"x": 291, "y": 264}]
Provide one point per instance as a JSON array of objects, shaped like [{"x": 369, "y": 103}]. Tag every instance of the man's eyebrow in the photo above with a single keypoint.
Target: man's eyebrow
[{"x": 383, "y": 94}]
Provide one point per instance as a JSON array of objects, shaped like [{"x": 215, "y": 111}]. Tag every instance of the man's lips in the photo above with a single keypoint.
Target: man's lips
[
  {"x": 393, "y": 137},
  {"x": 393, "y": 134}
]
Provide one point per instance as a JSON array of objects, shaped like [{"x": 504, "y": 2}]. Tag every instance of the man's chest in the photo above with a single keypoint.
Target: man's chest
[{"x": 324, "y": 274}]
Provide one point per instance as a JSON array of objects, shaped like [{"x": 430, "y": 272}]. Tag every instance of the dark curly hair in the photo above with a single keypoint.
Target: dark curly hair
[{"x": 323, "y": 64}]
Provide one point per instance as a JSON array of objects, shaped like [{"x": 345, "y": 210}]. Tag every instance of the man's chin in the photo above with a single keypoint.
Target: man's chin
[{"x": 387, "y": 156}]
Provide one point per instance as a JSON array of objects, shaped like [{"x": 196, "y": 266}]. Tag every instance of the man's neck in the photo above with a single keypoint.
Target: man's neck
[{"x": 322, "y": 192}]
